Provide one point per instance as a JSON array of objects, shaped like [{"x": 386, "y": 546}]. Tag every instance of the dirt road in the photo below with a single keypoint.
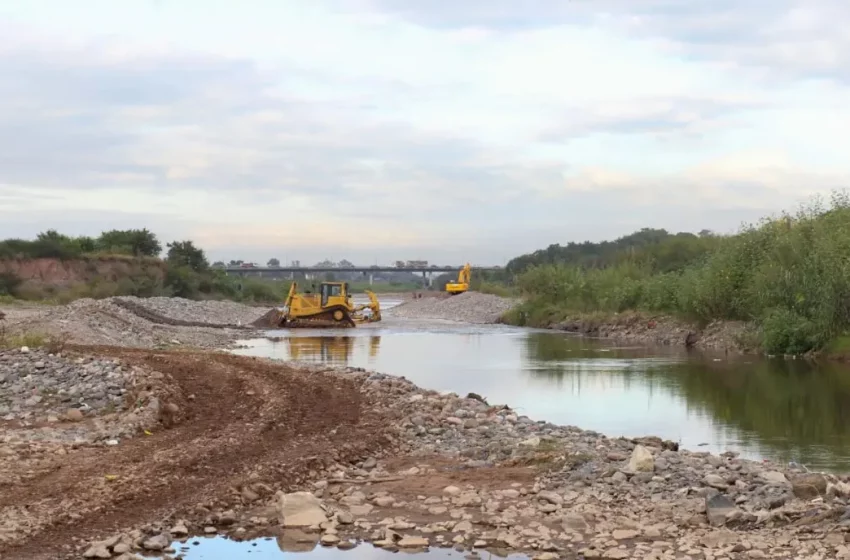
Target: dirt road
[{"x": 242, "y": 426}]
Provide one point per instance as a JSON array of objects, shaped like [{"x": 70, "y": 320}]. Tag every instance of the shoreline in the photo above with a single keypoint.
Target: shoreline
[
  {"x": 394, "y": 465},
  {"x": 142, "y": 448}
]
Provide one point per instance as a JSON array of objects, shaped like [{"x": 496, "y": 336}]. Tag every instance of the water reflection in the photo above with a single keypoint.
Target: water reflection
[
  {"x": 219, "y": 548},
  {"x": 784, "y": 410}
]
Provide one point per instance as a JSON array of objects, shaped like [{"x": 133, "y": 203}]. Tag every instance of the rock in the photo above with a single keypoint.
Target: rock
[
  {"x": 715, "y": 481},
  {"x": 641, "y": 460},
  {"x": 97, "y": 550},
  {"x": 74, "y": 415},
  {"x": 809, "y": 486},
  {"x": 121, "y": 548},
  {"x": 773, "y": 477},
  {"x": 451, "y": 490},
  {"x": 300, "y": 509},
  {"x": 329, "y": 539},
  {"x": 717, "y": 507},
  {"x": 345, "y": 518},
  {"x": 157, "y": 543},
  {"x": 622, "y": 534},
  {"x": 550, "y": 497},
  {"x": 179, "y": 530},
  {"x": 413, "y": 542},
  {"x": 384, "y": 501},
  {"x": 370, "y": 463}
]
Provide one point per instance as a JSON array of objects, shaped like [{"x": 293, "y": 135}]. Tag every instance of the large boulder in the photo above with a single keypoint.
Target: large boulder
[
  {"x": 300, "y": 509},
  {"x": 641, "y": 460}
]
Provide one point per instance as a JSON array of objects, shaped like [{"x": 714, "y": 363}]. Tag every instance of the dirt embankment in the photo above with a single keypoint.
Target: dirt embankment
[
  {"x": 56, "y": 273},
  {"x": 244, "y": 447},
  {"x": 469, "y": 307}
]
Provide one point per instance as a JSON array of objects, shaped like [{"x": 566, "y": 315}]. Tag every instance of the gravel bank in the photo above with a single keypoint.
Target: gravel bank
[
  {"x": 341, "y": 456},
  {"x": 469, "y": 307},
  {"x": 140, "y": 322}
]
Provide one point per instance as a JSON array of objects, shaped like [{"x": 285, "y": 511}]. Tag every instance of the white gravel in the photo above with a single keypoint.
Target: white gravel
[{"x": 469, "y": 307}]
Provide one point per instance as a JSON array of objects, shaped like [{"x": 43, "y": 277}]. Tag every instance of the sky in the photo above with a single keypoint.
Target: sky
[{"x": 383, "y": 130}]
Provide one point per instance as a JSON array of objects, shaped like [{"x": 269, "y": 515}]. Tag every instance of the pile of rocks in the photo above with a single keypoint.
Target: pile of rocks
[
  {"x": 190, "y": 311},
  {"x": 117, "y": 322},
  {"x": 38, "y": 386},
  {"x": 474, "y": 476},
  {"x": 469, "y": 307}
]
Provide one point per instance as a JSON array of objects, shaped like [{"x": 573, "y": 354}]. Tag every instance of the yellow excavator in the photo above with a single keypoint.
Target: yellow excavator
[
  {"x": 331, "y": 307},
  {"x": 462, "y": 284}
]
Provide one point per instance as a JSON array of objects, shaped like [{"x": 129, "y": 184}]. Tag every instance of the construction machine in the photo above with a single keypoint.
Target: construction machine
[
  {"x": 462, "y": 284},
  {"x": 330, "y": 307}
]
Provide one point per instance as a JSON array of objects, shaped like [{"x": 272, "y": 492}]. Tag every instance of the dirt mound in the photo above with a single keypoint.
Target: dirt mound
[
  {"x": 238, "y": 420},
  {"x": 267, "y": 319},
  {"x": 469, "y": 307}
]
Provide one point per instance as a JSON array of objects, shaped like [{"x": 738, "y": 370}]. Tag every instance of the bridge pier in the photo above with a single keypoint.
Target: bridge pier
[{"x": 371, "y": 278}]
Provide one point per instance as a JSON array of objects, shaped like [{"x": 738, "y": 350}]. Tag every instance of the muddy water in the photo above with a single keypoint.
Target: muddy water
[{"x": 774, "y": 409}]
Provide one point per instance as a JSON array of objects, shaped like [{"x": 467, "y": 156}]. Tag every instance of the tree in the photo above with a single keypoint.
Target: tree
[
  {"x": 136, "y": 242},
  {"x": 273, "y": 262},
  {"x": 185, "y": 254}
]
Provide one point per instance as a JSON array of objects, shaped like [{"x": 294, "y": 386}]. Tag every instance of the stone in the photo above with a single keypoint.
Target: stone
[
  {"x": 641, "y": 460},
  {"x": 345, "y": 518},
  {"x": 413, "y": 542},
  {"x": 370, "y": 463},
  {"x": 157, "y": 543},
  {"x": 121, "y": 548},
  {"x": 809, "y": 486},
  {"x": 774, "y": 477},
  {"x": 329, "y": 539},
  {"x": 74, "y": 415},
  {"x": 622, "y": 534},
  {"x": 300, "y": 509},
  {"x": 451, "y": 490},
  {"x": 179, "y": 530},
  {"x": 550, "y": 497},
  {"x": 97, "y": 550},
  {"x": 717, "y": 507},
  {"x": 715, "y": 481}
]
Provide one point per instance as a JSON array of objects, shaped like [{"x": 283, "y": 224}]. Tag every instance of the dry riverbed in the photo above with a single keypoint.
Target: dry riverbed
[{"x": 111, "y": 452}]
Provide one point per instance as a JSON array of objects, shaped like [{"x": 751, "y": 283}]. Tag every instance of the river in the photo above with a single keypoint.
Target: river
[{"x": 773, "y": 409}]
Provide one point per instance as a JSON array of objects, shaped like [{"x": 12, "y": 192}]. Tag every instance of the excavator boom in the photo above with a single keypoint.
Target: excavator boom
[{"x": 463, "y": 279}]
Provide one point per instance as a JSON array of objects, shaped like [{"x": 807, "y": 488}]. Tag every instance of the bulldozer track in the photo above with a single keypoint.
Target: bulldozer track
[{"x": 325, "y": 319}]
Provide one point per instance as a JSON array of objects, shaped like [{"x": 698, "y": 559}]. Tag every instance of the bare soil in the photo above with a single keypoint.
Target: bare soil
[{"x": 238, "y": 419}]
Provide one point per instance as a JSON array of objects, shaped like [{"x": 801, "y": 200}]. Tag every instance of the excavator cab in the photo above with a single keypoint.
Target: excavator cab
[{"x": 462, "y": 284}]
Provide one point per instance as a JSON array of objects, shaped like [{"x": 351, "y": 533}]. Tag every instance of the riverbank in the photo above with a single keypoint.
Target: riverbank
[
  {"x": 109, "y": 452},
  {"x": 632, "y": 327}
]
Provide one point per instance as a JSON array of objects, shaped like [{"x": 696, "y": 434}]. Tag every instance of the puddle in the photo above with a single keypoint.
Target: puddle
[{"x": 221, "y": 548}]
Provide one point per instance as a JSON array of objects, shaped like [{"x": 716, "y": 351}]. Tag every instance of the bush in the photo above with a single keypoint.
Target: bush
[{"x": 789, "y": 275}]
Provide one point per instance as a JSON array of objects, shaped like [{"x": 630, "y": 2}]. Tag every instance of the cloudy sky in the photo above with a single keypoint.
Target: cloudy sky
[{"x": 377, "y": 130}]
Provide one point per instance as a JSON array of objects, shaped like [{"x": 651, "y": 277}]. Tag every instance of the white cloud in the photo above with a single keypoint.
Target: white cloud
[{"x": 387, "y": 128}]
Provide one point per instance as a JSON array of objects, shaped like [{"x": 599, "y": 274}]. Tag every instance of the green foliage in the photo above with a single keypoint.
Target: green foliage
[
  {"x": 9, "y": 283},
  {"x": 185, "y": 254},
  {"x": 136, "y": 242},
  {"x": 790, "y": 276},
  {"x": 655, "y": 249}
]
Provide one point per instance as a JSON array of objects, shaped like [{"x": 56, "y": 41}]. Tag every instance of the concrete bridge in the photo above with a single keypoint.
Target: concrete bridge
[{"x": 281, "y": 272}]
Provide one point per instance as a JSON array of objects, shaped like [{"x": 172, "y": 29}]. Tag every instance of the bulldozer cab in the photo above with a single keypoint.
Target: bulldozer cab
[{"x": 333, "y": 292}]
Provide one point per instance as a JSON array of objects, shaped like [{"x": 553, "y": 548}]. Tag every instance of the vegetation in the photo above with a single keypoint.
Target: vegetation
[
  {"x": 790, "y": 276},
  {"x": 185, "y": 271}
]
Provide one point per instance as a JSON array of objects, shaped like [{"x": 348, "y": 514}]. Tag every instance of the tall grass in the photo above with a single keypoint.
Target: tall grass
[{"x": 789, "y": 275}]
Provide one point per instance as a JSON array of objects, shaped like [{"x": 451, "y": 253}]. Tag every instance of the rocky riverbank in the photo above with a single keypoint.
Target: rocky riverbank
[
  {"x": 338, "y": 457},
  {"x": 469, "y": 307},
  {"x": 137, "y": 322}
]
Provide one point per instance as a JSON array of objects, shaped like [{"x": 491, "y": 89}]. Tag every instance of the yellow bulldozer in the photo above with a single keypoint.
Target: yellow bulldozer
[
  {"x": 331, "y": 307},
  {"x": 462, "y": 284}
]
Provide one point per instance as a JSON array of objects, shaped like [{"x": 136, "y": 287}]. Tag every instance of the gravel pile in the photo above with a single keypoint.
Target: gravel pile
[
  {"x": 469, "y": 307},
  {"x": 132, "y": 322},
  {"x": 35, "y": 385},
  {"x": 202, "y": 312}
]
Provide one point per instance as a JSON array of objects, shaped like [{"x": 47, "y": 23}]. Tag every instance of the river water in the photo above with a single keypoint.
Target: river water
[{"x": 774, "y": 409}]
